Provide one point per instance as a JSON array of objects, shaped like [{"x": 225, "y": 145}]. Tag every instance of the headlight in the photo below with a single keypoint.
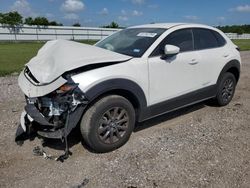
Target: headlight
[{"x": 66, "y": 87}]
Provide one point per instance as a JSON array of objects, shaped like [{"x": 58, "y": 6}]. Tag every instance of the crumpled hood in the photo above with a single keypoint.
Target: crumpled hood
[{"x": 59, "y": 56}]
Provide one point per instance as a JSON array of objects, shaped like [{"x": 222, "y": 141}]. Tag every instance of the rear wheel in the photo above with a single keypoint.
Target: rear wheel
[
  {"x": 226, "y": 89},
  {"x": 108, "y": 124}
]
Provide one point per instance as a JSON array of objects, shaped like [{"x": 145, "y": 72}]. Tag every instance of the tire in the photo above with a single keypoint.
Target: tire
[
  {"x": 226, "y": 89},
  {"x": 108, "y": 123}
]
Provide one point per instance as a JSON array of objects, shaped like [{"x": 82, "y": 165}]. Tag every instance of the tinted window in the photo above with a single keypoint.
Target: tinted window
[
  {"x": 221, "y": 41},
  {"x": 204, "y": 39},
  {"x": 181, "y": 38}
]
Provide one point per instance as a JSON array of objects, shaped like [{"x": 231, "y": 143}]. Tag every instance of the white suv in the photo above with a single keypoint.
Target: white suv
[{"x": 131, "y": 76}]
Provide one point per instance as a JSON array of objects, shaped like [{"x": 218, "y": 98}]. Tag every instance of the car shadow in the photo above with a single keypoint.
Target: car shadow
[
  {"x": 168, "y": 116},
  {"x": 73, "y": 139},
  {"x": 75, "y": 136}
]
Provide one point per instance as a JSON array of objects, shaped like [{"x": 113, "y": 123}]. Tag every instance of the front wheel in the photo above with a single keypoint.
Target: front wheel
[
  {"x": 226, "y": 89},
  {"x": 108, "y": 124}
]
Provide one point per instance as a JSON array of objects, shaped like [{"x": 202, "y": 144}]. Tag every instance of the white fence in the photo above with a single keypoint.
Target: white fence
[
  {"x": 237, "y": 36},
  {"x": 43, "y": 33}
]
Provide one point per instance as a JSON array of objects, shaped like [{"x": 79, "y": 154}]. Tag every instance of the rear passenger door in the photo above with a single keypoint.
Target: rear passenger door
[{"x": 209, "y": 44}]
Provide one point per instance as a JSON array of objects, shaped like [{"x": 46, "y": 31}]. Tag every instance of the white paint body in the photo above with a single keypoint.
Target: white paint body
[
  {"x": 159, "y": 79},
  {"x": 165, "y": 79}
]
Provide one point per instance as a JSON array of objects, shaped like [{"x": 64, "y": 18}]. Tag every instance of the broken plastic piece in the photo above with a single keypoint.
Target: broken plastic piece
[
  {"x": 65, "y": 138},
  {"x": 37, "y": 151},
  {"x": 21, "y": 135},
  {"x": 64, "y": 156},
  {"x": 22, "y": 120}
]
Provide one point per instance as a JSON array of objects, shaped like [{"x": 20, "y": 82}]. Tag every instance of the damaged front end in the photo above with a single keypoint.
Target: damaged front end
[
  {"x": 53, "y": 115},
  {"x": 55, "y": 103}
]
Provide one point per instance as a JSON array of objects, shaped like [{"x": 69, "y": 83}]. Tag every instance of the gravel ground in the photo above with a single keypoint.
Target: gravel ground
[{"x": 199, "y": 146}]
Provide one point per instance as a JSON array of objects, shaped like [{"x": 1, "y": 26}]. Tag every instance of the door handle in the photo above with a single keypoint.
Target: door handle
[{"x": 193, "y": 62}]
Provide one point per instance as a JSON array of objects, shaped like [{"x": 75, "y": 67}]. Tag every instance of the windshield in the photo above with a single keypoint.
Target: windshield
[{"x": 133, "y": 42}]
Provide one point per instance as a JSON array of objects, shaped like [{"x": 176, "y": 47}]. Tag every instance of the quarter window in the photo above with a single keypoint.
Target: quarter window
[
  {"x": 220, "y": 39},
  {"x": 204, "y": 39}
]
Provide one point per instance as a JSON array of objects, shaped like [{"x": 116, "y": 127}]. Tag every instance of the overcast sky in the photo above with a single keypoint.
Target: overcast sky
[{"x": 133, "y": 12}]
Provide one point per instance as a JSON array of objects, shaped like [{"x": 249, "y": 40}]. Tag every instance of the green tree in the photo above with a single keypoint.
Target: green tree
[
  {"x": 77, "y": 24},
  {"x": 54, "y": 23},
  {"x": 1, "y": 17},
  {"x": 112, "y": 25},
  {"x": 11, "y": 18},
  {"x": 240, "y": 29},
  {"x": 41, "y": 21},
  {"x": 29, "y": 21}
]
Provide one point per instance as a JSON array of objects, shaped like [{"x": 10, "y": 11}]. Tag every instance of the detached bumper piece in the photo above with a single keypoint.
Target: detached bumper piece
[
  {"x": 24, "y": 130},
  {"x": 34, "y": 113},
  {"x": 40, "y": 126},
  {"x": 71, "y": 121}
]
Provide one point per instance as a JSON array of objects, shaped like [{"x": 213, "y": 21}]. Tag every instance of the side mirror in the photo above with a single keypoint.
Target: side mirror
[{"x": 170, "y": 50}]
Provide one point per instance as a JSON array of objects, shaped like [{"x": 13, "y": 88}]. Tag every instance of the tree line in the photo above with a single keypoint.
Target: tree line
[
  {"x": 15, "y": 19},
  {"x": 239, "y": 29}
]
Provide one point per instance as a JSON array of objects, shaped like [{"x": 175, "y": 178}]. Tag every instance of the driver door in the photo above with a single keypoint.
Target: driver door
[{"x": 174, "y": 76}]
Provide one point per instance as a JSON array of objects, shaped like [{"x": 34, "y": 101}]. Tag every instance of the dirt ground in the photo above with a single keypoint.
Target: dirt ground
[{"x": 199, "y": 146}]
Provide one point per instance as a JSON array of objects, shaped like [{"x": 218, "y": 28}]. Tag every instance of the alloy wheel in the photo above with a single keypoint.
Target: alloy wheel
[
  {"x": 113, "y": 125},
  {"x": 227, "y": 90}
]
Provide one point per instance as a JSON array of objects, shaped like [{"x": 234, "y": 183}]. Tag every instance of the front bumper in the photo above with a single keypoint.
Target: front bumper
[
  {"x": 34, "y": 114},
  {"x": 34, "y": 123}
]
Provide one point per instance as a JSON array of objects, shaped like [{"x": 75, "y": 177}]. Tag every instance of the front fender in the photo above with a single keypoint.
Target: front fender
[{"x": 117, "y": 84}]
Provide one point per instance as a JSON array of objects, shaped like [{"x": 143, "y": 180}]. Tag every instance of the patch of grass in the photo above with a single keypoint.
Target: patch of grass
[
  {"x": 90, "y": 42},
  {"x": 13, "y": 56},
  {"x": 244, "y": 44}
]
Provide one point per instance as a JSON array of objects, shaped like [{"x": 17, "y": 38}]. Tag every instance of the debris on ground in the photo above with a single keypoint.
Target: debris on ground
[
  {"x": 37, "y": 151},
  {"x": 84, "y": 182}
]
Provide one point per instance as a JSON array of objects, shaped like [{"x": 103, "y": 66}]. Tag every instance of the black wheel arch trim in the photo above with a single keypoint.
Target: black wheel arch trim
[
  {"x": 231, "y": 64},
  {"x": 115, "y": 85}
]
